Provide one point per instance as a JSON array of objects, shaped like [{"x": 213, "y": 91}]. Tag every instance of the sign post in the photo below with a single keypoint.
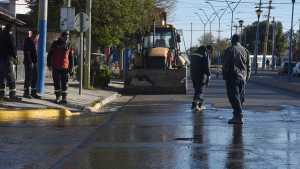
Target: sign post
[
  {"x": 67, "y": 19},
  {"x": 81, "y": 25}
]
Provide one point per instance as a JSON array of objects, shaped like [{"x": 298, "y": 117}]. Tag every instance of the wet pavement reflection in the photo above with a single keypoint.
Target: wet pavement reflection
[
  {"x": 153, "y": 132},
  {"x": 169, "y": 135}
]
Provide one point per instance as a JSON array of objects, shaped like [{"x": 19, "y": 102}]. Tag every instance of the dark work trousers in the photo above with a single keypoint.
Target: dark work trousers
[
  {"x": 60, "y": 79},
  {"x": 30, "y": 77},
  {"x": 236, "y": 95},
  {"x": 7, "y": 76},
  {"x": 198, "y": 87}
]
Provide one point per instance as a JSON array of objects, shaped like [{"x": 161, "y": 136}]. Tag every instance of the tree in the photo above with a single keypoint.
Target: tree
[
  {"x": 114, "y": 22},
  {"x": 169, "y": 5},
  {"x": 250, "y": 34},
  {"x": 53, "y": 13},
  {"x": 206, "y": 39}
]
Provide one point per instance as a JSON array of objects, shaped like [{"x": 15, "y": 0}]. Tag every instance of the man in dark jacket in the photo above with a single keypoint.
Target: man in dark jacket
[
  {"x": 8, "y": 57},
  {"x": 236, "y": 72},
  {"x": 200, "y": 73},
  {"x": 30, "y": 64},
  {"x": 61, "y": 63}
]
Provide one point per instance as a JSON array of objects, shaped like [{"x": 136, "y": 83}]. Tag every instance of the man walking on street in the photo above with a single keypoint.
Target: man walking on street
[
  {"x": 8, "y": 58},
  {"x": 200, "y": 73},
  {"x": 61, "y": 63},
  {"x": 236, "y": 72},
  {"x": 30, "y": 64}
]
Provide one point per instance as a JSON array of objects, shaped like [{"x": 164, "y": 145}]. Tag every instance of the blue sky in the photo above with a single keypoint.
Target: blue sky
[{"x": 183, "y": 15}]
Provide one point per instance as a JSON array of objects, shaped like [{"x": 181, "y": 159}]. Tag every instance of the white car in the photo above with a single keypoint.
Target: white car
[{"x": 296, "y": 69}]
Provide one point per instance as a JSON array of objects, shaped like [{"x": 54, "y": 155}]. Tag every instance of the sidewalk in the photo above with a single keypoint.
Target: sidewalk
[
  {"x": 272, "y": 79},
  {"x": 91, "y": 101}
]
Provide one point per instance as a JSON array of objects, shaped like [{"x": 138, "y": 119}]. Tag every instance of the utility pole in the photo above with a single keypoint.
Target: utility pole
[
  {"x": 265, "y": 49},
  {"x": 236, "y": 28},
  {"x": 241, "y": 22},
  {"x": 204, "y": 24},
  {"x": 258, "y": 13},
  {"x": 291, "y": 42},
  {"x": 232, "y": 9},
  {"x": 273, "y": 44},
  {"x": 43, "y": 13},
  {"x": 87, "y": 63},
  {"x": 210, "y": 22},
  {"x": 210, "y": 19},
  {"x": 219, "y": 15},
  {"x": 191, "y": 38}
]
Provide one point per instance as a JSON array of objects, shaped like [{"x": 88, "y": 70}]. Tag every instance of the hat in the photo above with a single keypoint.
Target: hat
[{"x": 235, "y": 38}]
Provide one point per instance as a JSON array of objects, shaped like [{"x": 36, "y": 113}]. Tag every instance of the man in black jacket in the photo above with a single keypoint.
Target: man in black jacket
[
  {"x": 200, "y": 74},
  {"x": 30, "y": 64},
  {"x": 8, "y": 57},
  {"x": 236, "y": 72}
]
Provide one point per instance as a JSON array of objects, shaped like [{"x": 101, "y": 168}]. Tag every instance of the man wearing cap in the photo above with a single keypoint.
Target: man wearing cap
[
  {"x": 61, "y": 63},
  {"x": 8, "y": 58},
  {"x": 236, "y": 72}
]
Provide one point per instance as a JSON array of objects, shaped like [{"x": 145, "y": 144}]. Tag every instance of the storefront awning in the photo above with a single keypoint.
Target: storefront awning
[{"x": 5, "y": 17}]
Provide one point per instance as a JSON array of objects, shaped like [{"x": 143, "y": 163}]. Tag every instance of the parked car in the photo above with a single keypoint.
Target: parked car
[
  {"x": 296, "y": 69},
  {"x": 284, "y": 67}
]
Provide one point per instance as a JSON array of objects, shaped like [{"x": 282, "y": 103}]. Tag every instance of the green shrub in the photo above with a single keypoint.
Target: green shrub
[{"x": 102, "y": 77}]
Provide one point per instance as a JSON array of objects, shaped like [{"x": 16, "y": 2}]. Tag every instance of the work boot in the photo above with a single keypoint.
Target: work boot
[
  {"x": 57, "y": 97},
  {"x": 235, "y": 120},
  {"x": 14, "y": 97},
  {"x": 34, "y": 94},
  {"x": 193, "y": 105},
  {"x": 64, "y": 99},
  {"x": 26, "y": 94}
]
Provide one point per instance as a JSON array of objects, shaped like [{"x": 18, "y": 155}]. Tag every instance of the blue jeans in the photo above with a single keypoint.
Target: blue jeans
[{"x": 236, "y": 95}]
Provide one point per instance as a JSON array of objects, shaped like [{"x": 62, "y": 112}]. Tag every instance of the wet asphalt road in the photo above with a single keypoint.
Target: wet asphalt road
[{"x": 161, "y": 132}]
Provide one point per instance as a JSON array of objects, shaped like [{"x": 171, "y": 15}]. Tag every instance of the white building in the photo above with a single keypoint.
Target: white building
[{"x": 260, "y": 60}]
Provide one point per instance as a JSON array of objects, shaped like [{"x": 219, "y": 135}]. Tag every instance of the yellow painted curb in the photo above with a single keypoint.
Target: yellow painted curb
[{"x": 30, "y": 114}]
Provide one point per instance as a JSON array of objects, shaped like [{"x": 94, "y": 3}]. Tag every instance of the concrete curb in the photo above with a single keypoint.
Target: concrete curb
[
  {"x": 11, "y": 114},
  {"x": 98, "y": 105},
  {"x": 31, "y": 114}
]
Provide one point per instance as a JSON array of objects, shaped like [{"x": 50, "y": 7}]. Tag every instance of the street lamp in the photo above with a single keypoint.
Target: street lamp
[
  {"x": 204, "y": 24},
  {"x": 241, "y": 22},
  {"x": 258, "y": 13},
  {"x": 232, "y": 9},
  {"x": 291, "y": 43},
  {"x": 210, "y": 20}
]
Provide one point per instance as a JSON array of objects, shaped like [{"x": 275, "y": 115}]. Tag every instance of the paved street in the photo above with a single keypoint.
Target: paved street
[{"x": 161, "y": 132}]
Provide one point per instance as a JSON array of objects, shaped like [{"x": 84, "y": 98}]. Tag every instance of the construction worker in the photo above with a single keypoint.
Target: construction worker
[
  {"x": 61, "y": 63},
  {"x": 30, "y": 64},
  {"x": 236, "y": 73},
  {"x": 8, "y": 58},
  {"x": 200, "y": 73}
]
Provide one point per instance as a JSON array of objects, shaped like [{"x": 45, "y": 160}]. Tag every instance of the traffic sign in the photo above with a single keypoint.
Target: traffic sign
[
  {"x": 67, "y": 19},
  {"x": 81, "y": 22}
]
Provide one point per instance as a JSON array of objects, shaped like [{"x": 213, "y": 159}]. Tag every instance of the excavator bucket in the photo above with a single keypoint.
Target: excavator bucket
[{"x": 145, "y": 81}]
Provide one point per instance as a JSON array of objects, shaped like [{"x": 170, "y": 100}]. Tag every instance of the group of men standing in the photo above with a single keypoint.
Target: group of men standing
[
  {"x": 236, "y": 72},
  {"x": 59, "y": 61}
]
